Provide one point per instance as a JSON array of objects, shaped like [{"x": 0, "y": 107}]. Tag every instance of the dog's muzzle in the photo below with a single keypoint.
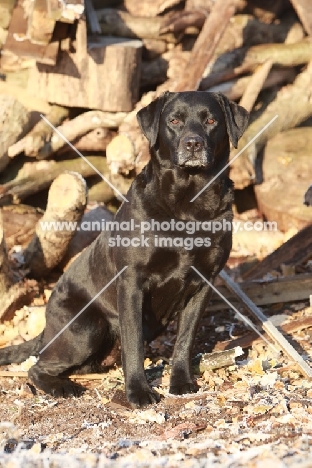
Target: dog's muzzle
[{"x": 192, "y": 152}]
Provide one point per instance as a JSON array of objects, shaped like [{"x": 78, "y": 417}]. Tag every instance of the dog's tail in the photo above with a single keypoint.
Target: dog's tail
[{"x": 18, "y": 353}]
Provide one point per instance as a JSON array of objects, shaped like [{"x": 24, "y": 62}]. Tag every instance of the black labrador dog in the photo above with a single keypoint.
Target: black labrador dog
[{"x": 189, "y": 135}]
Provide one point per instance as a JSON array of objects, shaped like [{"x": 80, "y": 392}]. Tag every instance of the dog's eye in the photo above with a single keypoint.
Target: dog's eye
[
  {"x": 174, "y": 121},
  {"x": 210, "y": 121}
]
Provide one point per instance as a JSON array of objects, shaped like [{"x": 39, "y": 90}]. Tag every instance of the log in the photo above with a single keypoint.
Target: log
[
  {"x": 255, "y": 86},
  {"x": 267, "y": 326},
  {"x": 152, "y": 48},
  {"x": 216, "y": 360},
  {"x": 286, "y": 172},
  {"x": 14, "y": 122},
  {"x": 95, "y": 140},
  {"x": 295, "y": 251},
  {"x": 252, "y": 338},
  {"x": 115, "y": 22},
  {"x": 270, "y": 291},
  {"x": 296, "y": 97},
  {"x": 120, "y": 155},
  {"x": 3, "y": 35},
  {"x": 66, "y": 203},
  {"x": 77, "y": 127},
  {"x": 89, "y": 228},
  {"x": 304, "y": 11},
  {"x": 19, "y": 223},
  {"x": 40, "y": 22},
  {"x": 13, "y": 296},
  {"x": 99, "y": 191},
  {"x": 32, "y": 143},
  {"x": 38, "y": 176},
  {"x": 149, "y": 9},
  {"x": 6, "y": 9},
  {"x": 235, "y": 89},
  {"x": 19, "y": 43},
  {"x": 205, "y": 45},
  {"x": 246, "y": 59},
  {"x": 6, "y": 276},
  {"x": 77, "y": 78},
  {"x": 30, "y": 102}
]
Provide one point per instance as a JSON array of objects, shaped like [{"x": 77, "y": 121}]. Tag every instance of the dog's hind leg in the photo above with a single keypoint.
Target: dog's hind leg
[{"x": 60, "y": 355}]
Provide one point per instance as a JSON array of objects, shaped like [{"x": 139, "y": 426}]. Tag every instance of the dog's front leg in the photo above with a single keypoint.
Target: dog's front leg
[
  {"x": 130, "y": 300},
  {"x": 181, "y": 380}
]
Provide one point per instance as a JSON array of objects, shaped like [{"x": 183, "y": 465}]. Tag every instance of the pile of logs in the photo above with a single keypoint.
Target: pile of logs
[{"x": 74, "y": 75}]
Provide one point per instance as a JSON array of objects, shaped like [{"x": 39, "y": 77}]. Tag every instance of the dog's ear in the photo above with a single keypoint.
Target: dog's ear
[
  {"x": 149, "y": 116},
  {"x": 236, "y": 118}
]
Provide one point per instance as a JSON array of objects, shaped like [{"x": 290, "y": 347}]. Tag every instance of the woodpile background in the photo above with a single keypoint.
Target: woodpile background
[{"x": 73, "y": 77}]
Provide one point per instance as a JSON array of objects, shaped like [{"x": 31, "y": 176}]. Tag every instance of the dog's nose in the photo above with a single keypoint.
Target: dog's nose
[{"x": 193, "y": 143}]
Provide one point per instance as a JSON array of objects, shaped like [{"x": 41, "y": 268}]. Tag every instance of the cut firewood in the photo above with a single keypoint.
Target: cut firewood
[
  {"x": 40, "y": 23},
  {"x": 115, "y": 22},
  {"x": 100, "y": 191},
  {"x": 13, "y": 296},
  {"x": 120, "y": 155},
  {"x": 95, "y": 140},
  {"x": 30, "y": 102},
  {"x": 91, "y": 225},
  {"x": 244, "y": 59},
  {"x": 205, "y": 45},
  {"x": 18, "y": 42},
  {"x": 286, "y": 172},
  {"x": 270, "y": 291},
  {"x": 304, "y": 10},
  {"x": 252, "y": 337},
  {"x": 14, "y": 123},
  {"x": 255, "y": 85},
  {"x": 77, "y": 78},
  {"x": 6, "y": 276},
  {"x": 32, "y": 143},
  {"x": 6, "y": 9},
  {"x": 77, "y": 127},
  {"x": 38, "y": 176},
  {"x": 296, "y": 97},
  {"x": 66, "y": 203},
  {"x": 267, "y": 325},
  {"x": 19, "y": 224},
  {"x": 295, "y": 251},
  {"x": 216, "y": 360},
  {"x": 149, "y": 8},
  {"x": 16, "y": 297},
  {"x": 235, "y": 89}
]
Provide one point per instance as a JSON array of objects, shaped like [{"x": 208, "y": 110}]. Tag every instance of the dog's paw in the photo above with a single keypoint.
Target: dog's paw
[
  {"x": 139, "y": 397},
  {"x": 66, "y": 388},
  {"x": 182, "y": 388}
]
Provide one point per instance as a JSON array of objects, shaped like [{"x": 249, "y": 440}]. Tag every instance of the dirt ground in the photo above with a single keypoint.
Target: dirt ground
[{"x": 255, "y": 412}]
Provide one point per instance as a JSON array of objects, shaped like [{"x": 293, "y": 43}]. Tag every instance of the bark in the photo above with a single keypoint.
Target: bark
[
  {"x": 32, "y": 143},
  {"x": 66, "y": 203},
  {"x": 236, "y": 88},
  {"x": 304, "y": 10},
  {"x": 6, "y": 277},
  {"x": 38, "y": 176},
  {"x": 119, "y": 23},
  {"x": 14, "y": 121},
  {"x": 255, "y": 86},
  {"x": 206, "y": 43},
  {"x": 243, "y": 60},
  {"x": 79, "y": 126},
  {"x": 296, "y": 97}
]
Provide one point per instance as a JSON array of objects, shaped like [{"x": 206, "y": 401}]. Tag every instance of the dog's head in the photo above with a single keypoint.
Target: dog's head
[{"x": 192, "y": 129}]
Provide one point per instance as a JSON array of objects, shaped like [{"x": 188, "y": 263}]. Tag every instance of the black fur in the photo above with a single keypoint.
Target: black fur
[{"x": 189, "y": 136}]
